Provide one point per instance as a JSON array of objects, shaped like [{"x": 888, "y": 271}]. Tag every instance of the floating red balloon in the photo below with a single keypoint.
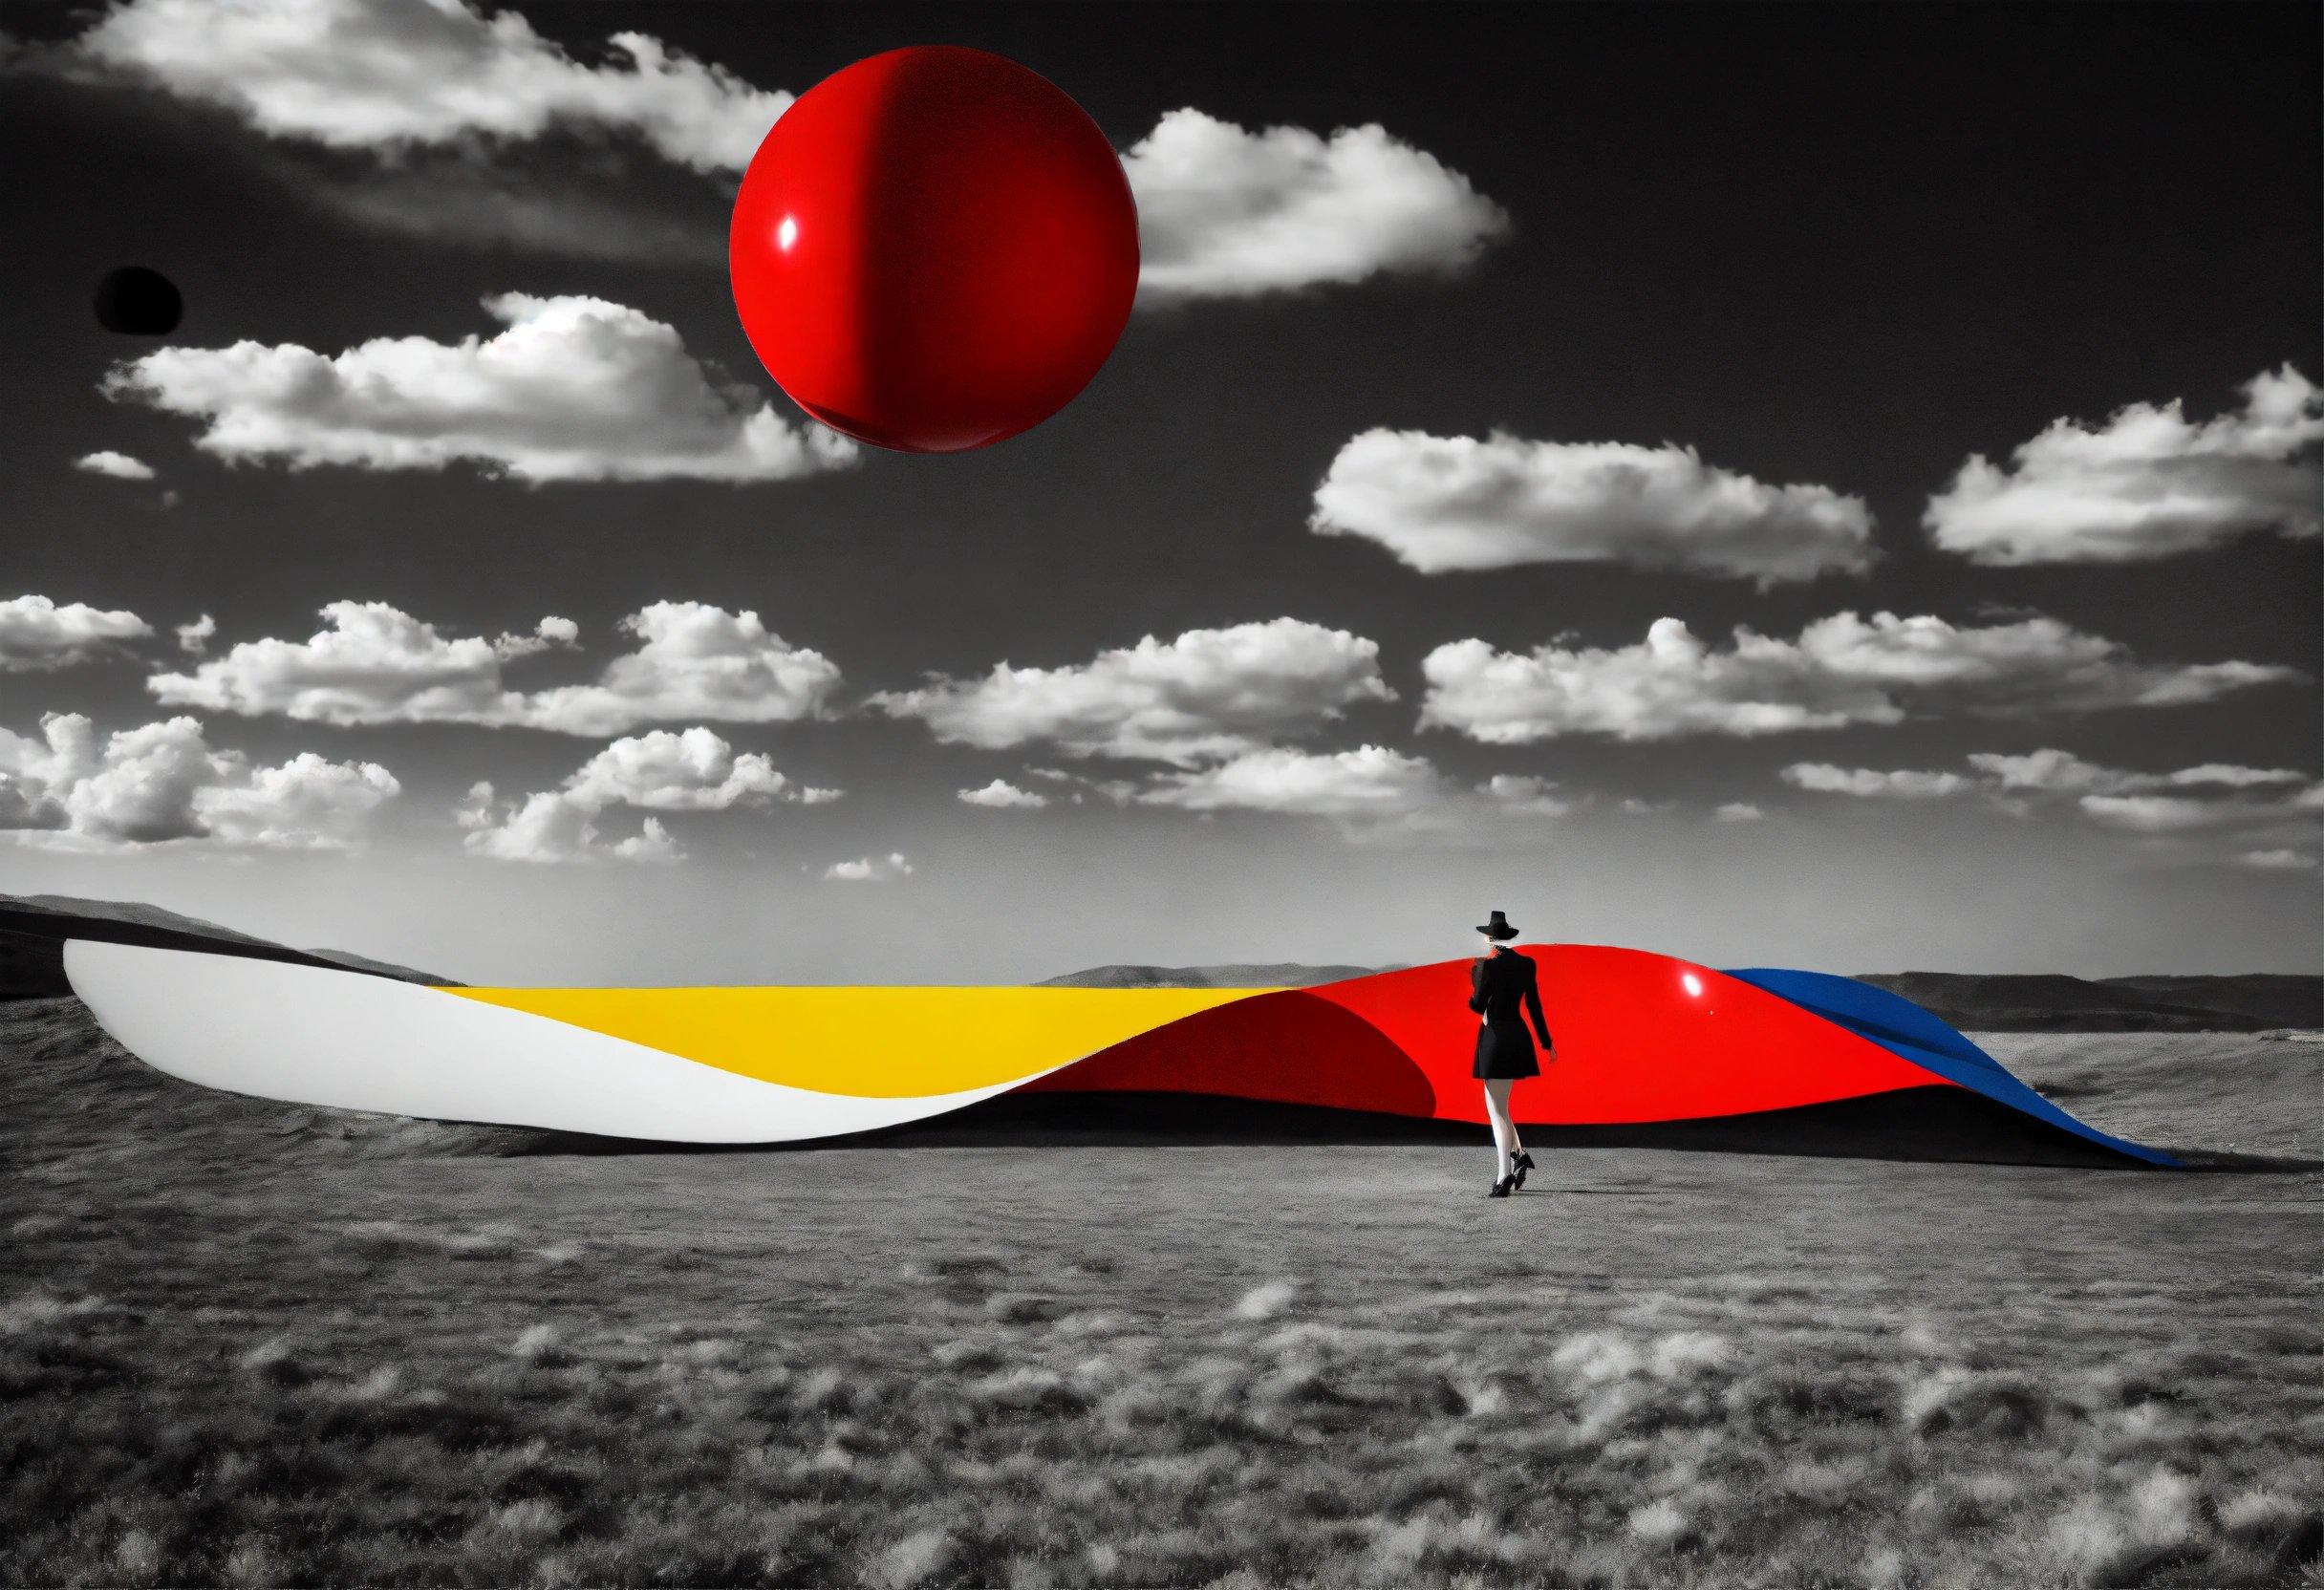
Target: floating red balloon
[{"x": 934, "y": 248}]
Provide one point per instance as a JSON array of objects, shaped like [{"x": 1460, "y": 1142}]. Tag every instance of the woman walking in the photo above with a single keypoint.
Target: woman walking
[{"x": 1502, "y": 983}]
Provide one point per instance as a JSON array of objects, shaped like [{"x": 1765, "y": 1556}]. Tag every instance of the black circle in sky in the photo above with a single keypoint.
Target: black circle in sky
[{"x": 137, "y": 302}]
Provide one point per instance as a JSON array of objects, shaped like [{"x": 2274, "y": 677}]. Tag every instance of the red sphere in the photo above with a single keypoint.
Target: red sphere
[{"x": 933, "y": 249}]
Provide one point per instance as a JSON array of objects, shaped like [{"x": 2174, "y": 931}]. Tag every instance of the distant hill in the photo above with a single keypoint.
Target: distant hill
[
  {"x": 33, "y": 928},
  {"x": 2256, "y": 1001},
  {"x": 1239, "y": 975},
  {"x": 2282, "y": 999},
  {"x": 125, "y": 911},
  {"x": 2253, "y": 1001}
]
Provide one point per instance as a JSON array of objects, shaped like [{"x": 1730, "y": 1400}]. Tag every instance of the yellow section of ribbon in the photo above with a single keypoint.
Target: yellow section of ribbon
[{"x": 870, "y": 1043}]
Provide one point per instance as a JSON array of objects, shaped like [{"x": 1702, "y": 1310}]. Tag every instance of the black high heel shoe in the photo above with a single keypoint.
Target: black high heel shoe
[
  {"x": 1501, "y": 1189},
  {"x": 1519, "y": 1166}
]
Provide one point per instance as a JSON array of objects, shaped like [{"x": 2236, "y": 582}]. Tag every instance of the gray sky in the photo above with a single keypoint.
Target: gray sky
[{"x": 1832, "y": 488}]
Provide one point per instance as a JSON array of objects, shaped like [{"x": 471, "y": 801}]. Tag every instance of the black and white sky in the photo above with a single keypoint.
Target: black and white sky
[{"x": 1832, "y": 487}]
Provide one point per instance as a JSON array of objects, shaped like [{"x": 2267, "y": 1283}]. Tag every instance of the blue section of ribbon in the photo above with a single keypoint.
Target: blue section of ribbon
[{"x": 1905, "y": 1029}]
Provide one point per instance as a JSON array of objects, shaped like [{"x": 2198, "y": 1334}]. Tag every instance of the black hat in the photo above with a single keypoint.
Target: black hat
[{"x": 1497, "y": 928}]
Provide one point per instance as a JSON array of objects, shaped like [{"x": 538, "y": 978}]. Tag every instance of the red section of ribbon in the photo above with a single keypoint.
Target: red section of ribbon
[
  {"x": 1640, "y": 1038},
  {"x": 1289, "y": 1047}
]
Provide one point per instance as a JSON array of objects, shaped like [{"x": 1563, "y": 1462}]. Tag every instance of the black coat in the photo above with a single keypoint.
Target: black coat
[{"x": 1504, "y": 988}]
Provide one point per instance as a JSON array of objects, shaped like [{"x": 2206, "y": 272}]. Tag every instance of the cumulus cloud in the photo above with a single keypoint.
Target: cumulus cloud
[
  {"x": 690, "y": 771},
  {"x": 430, "y": 120},
  {"x": 372, "y": 664},
  {"x": 2277, "y": 861},
  {"x": 2233, "y": 807},
  {"x": 1524, "y": 794},
  {"x": 194, "y": 638},
  {"x": 549, "y": 828},
  {"x": 2208, "y": 799},
  {"x": 2148, "y": 813},
  {"x": 1841, "y": 669},
  {"x": 1867, "y": 783},
  {"x": 2048, "y": 770},
  {"x": 118, "y": 467},
  {"x": 163, "y": 784},
  {"x": 388, "y": 74},
  {"x": 1443, "y": 504},
  {"x": 1368, "y": 780},
  {"x": 2148, "y": 483},
  {"x": 693, "y": 660},
  {"x": 573, "y": 389},
  {"x": 1371, "y": 792},
  {"x": 869, "y": 869},
  {"x": 37, "y": 635},
  {"x": 1208, "y": 693},
  {"x": 1002, "y": 793},
  {"x": 2054, "y": 771},
  {"x": 378, "y": 664},
  {"x": 1738, "y": 811},
  {"x": 693, "y": 770},
  {"x": 1224, "y": 212}
]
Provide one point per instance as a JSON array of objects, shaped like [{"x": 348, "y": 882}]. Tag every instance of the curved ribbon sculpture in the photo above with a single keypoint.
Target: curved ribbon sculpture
[{"x": 1641, "y": 1037}]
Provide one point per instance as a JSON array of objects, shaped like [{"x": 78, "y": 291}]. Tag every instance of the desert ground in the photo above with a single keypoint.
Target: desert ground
[{"x": 252, "y": 1343}]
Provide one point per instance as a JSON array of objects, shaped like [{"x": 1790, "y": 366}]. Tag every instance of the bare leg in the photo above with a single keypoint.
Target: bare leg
[{"x": 1504, "y": 1130}]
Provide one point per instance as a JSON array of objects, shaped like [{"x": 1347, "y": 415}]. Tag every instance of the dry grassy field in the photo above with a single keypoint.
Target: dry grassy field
[{"x": 249, "y": 1343}]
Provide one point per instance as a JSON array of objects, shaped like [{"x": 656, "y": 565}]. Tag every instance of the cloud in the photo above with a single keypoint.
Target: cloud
[
  {"x": 1002, "y": 794},
  {"x": 2148, "y": 483},
  {"x": 194, "y": 638},
  {"x": 2277, "y": 861},
  {"x": 382, "y": 74},
  {"x": 2149, "y": 813},
  {"x": 1841, "y": 669},
  {"x": 574, "y": 389},
  {"x": 1370, "y": 780},
  {"x": 37, "y": 635},
  {"x": 2052, "y": 771},
  {"x": 1208, "y": 693},
  {"x": 1370, "y": 793},
  {"x": 1864, "y": 782},
  {"x": 869, "y": 869},
  {"x": 374, "y": 664},
  {"x": 549, "y": 827},
  {"x": 1738, "y": 811},
  {"x": 1228, "y": 213},
  {"x": 694, "y": 660},
  {"x": 692, "y": 771},
  {"x": 2237, "y": 807},
  {"x": 2187, "y": 803},
  {"x": 1443, "y": 504},
  {"x": 378, "y": 664},
  {"x": 118, "y": 467},
  {"x": 2048, "y": 770},
  {"x": 1524, "y": 794},
  {"x": 429, "y": 120},
  {"x": 163, "y": 784},
  {"x": 533, "y": 201}
]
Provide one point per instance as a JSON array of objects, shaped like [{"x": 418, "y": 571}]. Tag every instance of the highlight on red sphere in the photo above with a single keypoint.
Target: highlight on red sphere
[{"x": 934, "y": 248}]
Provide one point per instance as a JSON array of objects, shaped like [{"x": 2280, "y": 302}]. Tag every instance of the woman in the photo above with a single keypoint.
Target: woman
[{"x": 1501, "y": 982}]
